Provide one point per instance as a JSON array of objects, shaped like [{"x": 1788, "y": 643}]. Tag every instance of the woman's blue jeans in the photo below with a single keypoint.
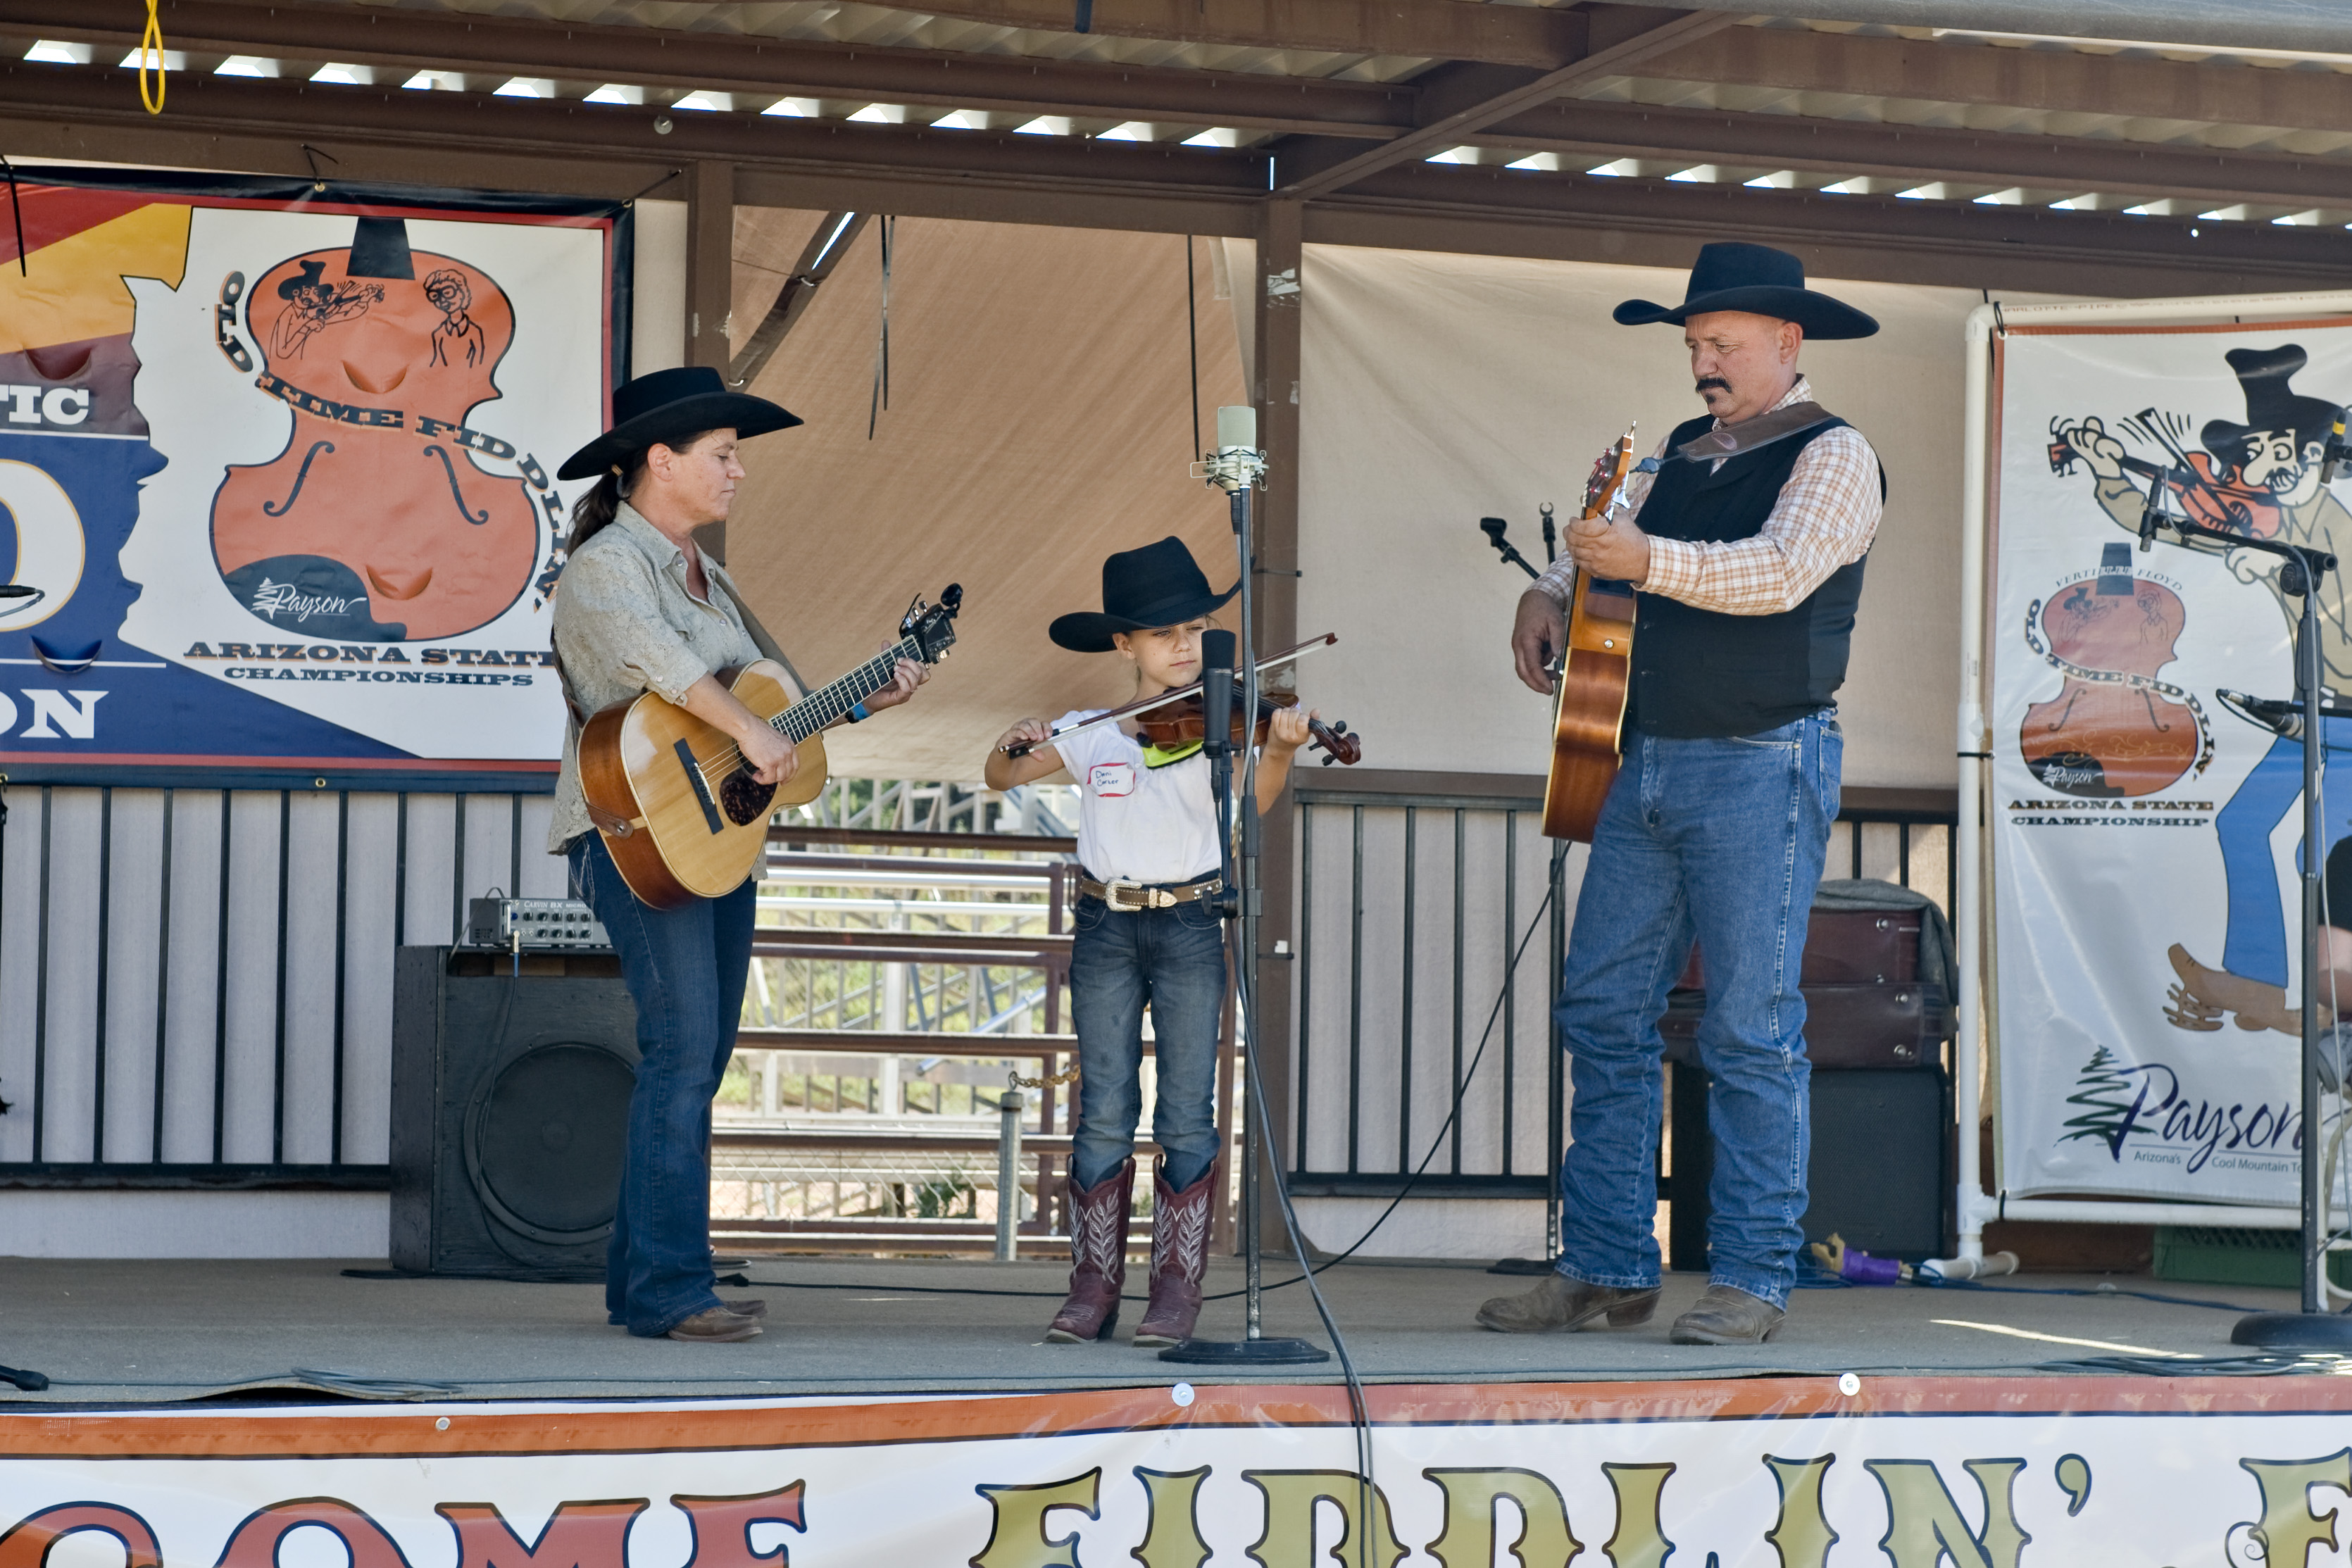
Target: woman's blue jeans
[
  {"x": 685, "y": 969},
  {"x": 1121, "y": 960},
  {"x": 1721, "y": 840}
]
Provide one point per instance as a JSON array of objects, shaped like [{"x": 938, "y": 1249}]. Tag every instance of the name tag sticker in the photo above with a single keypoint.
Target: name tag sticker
[{"x": 1109, "y": 781}]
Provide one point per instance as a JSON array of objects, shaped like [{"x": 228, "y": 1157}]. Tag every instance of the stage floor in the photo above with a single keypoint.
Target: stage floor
[{"x": 156, "y": 1332}]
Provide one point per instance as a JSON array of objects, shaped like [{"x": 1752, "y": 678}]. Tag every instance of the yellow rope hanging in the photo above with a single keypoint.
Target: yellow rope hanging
[{"x": 151, "y": 46}]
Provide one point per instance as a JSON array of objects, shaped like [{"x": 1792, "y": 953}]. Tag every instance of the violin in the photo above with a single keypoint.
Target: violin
[
  {"x": 2114, "y": 729},
  {"x": 1181, "y": 723},
  {"x": 2208, "y": 493}
]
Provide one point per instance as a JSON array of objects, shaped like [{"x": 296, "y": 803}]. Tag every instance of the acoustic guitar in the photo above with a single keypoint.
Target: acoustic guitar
[
  {"x": 672, "y": 796},
  {"x": 1592, "y": 675}
]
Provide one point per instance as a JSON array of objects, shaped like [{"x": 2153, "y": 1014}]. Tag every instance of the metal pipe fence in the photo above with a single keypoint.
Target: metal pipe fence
[{"x": 1409, "y": 908}]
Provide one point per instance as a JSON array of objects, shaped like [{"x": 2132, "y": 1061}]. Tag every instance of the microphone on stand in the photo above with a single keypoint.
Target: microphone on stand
[{"x": 1217, "y": 691}]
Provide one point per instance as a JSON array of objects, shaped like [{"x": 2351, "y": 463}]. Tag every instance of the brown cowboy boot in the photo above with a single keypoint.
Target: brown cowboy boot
[
  {"x": 1180, "y": 1256},
  {"x": 1097, "y": 1259}
]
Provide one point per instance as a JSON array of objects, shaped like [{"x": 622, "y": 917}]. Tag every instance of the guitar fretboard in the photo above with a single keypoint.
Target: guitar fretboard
[{"x": 830, "y": 702}]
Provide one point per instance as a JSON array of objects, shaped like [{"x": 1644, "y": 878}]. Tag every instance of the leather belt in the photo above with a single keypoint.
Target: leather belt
[{"x": 1135, "y": 896}]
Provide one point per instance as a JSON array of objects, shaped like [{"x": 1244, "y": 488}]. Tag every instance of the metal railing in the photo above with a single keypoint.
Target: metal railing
[
  {"x": 914, "y": 924},
  {"x": 1409, "y": 908}
]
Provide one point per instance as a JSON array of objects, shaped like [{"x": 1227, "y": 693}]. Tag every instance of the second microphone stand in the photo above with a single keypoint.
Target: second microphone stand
[
  {"x": 1236, "y": 470},
  {"x": 2300, "y": 571}
]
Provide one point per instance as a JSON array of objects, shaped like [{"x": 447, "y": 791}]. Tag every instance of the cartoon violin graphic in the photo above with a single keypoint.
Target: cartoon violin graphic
[
  {"x": 2114, "y": 729},
  {"x": 2206, "y": 490},
  {"x": 378, "y": 521}
]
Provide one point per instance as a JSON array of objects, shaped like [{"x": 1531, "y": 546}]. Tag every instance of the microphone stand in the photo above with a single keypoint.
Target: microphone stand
[
  {"x": 2300, "y": 571},
  {"x": 1237, "y": 468}
]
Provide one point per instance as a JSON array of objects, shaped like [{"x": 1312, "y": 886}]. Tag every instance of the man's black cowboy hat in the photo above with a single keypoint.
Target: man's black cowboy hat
[
  {"x": 1158, "y": 585},
  {"x": 2270, "y": 404},
  {"x": 664, "y": 405},
  {"x": 1732, "y": 275}
]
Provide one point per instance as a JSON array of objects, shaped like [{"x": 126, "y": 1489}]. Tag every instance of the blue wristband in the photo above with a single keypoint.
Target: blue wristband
[{"x": 858, "y": 714}]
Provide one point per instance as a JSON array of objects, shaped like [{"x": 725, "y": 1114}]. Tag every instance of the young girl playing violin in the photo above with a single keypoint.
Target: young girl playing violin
[{"x": 1149, "y": 849}]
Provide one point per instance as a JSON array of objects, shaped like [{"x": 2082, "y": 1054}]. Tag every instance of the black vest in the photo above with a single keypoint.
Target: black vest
[{"x": 1700, "y": 673}]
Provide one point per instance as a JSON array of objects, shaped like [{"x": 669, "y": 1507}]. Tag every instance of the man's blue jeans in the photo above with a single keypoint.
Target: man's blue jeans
[
  {"x": 686, "y": 970},
  {"x": 1174, "y": 961},
  {"x": 1721, "y": 840}
]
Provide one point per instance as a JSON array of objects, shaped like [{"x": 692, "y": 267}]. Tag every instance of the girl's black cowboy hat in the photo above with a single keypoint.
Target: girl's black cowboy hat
[
  {"x": 664, "y": 405},
  {"x": 1732, "y": 275},
  {"x": 1158, "y": 585}
]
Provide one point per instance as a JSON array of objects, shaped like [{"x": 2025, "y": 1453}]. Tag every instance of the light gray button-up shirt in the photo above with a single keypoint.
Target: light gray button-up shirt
[{"x": 624, "y": 623}]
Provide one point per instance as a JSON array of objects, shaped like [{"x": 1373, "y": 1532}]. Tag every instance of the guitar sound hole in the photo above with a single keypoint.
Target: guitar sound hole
[{"x": 744, "y": 798}]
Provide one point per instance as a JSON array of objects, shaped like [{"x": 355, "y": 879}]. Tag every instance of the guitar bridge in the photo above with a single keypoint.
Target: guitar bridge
[{"x": 701, "y": 786}]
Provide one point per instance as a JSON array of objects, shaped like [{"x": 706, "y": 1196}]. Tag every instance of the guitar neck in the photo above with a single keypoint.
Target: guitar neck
[{"x": 831, "y": 703}]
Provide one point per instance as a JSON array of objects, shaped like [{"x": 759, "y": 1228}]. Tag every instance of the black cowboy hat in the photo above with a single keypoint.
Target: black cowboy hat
[
  {"x": 1731, "y": 276},
  {"x": 2271, "y": 404},
  {"x": 1158, "y": 585},
  {"x": 666, "y": 404}
]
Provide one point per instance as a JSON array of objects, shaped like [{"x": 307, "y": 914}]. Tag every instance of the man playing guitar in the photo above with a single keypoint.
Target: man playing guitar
[
  {"x": 1746, "y": 548},
  {"x": 642, "y": 606}
]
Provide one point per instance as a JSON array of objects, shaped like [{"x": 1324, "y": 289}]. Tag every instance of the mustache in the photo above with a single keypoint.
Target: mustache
[{"x": 1706, "y": 381}]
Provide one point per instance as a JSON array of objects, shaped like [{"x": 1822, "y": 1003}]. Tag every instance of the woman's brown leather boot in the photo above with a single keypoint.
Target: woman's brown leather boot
[
  {"x": 1179, "y": 1257},
  {"x": 1098, "y": 1258}
]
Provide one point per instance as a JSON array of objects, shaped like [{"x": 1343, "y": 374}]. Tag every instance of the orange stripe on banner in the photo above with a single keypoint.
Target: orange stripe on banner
[{"x": 412, "y": 1431}]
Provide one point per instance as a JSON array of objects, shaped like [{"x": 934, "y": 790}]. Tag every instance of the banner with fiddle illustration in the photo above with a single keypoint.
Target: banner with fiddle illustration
[
  {"x": 276, "y": 482},
  {"x": 2146, "y": 771}
]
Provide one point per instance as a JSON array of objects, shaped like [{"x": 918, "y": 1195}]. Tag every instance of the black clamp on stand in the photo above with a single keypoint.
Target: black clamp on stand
[
  {"x": 2300, "y": 571},
  {"x": 1237, "y": 468}
]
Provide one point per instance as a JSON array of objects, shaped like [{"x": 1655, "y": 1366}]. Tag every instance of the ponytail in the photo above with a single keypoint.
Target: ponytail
[{"x": 593, "y": 512}]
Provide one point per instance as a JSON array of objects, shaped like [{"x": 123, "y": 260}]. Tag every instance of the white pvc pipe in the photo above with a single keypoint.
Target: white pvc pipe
[
  {"x": 2123, "y": 1211},
  {"x": 1967, "y": 856}
]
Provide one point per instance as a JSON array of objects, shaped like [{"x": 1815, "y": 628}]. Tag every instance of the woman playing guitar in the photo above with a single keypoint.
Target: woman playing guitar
[{"x": 641, "y": 608}]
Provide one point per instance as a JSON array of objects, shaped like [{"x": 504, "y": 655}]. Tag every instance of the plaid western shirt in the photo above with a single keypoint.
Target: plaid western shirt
[{"x": 1826, "y": 518}]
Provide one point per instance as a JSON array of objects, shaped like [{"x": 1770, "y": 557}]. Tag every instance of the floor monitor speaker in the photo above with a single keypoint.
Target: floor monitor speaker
[
  {"x": 511, "y": 1084},
  {"x": 1879, "y": 1176}
]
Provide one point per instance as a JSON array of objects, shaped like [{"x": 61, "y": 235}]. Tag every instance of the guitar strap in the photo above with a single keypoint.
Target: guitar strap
[{"x": 1733, "y": 440}]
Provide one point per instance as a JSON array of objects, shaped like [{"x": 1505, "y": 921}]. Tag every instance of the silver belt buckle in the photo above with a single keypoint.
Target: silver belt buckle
[{"x": 1116, "y": 895}]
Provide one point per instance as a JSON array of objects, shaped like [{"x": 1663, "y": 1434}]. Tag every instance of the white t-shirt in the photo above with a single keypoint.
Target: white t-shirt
[{"x": 1138, "y": 824}]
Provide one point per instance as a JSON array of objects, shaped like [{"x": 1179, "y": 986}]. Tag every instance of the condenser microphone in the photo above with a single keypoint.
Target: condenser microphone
[{"x": 1217, "y": 690}]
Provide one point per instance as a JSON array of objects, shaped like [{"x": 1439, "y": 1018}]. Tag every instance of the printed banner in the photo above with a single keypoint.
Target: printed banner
[
  {"x": 2146, "y": 778},
  {"x": 279, "y": 467},
  {"x": 1767, "y": 1473}
]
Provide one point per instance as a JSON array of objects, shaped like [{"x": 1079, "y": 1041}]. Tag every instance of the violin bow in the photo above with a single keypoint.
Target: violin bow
[{"x": 1174, "y": 693}]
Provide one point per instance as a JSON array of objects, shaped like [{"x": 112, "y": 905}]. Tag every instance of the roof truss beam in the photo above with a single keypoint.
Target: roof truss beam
[
  {"x": 1456, "y": 101},
  {"x": 1542, "y": 37},
  {"x": 1586, "y": 129},
  {"x": 2053, "y": 80},
  {"x": 777, "y": 67}
]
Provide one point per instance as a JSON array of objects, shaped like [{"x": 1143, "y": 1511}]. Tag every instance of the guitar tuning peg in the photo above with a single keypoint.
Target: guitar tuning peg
[{"x": 1329, "y": 759}]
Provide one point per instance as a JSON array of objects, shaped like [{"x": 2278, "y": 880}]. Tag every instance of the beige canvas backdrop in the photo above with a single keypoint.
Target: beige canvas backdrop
[
  {"x": 1039, "y": 382},
  {"x": 1440, "y": 389}
]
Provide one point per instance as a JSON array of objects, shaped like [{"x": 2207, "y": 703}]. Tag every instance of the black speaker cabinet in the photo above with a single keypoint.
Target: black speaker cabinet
[
  {"x": 1880, "y": 1176},
  {"x": 509, "y": 1109}
]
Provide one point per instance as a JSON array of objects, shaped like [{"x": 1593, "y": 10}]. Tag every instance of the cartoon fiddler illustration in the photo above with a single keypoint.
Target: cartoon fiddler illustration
[
  {"x": 2114, "y": 729},
  {"x": 457, "y": 336},
  {"x": 375, "y": 523},
  {"x": 2261, "y": 478},
  {"x": 312, "y": 303}
]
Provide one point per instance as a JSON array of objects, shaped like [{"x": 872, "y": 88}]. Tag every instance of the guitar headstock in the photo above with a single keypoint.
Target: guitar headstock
[
  {"x": 932, "y": 626},
  {"x": 1608, "y": 474}
]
